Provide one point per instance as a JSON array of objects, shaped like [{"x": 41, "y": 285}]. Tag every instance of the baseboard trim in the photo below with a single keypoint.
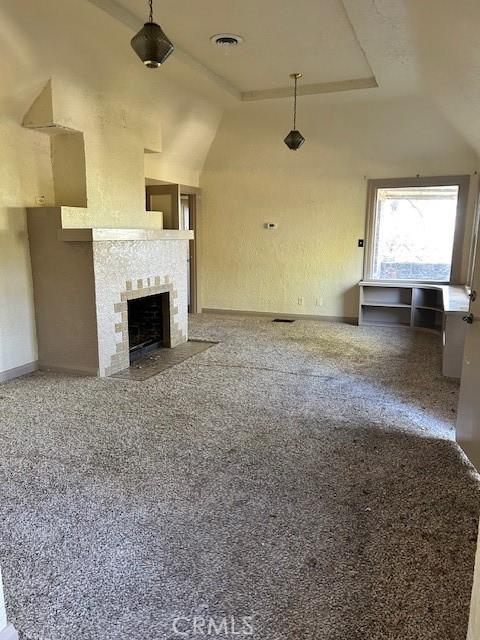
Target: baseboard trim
[
  {"x": 16, "y": 372},
  {"x": 288, "y": 316},
  {"x": 70, "y": 371},
  {"x": 9, "y": 633}
]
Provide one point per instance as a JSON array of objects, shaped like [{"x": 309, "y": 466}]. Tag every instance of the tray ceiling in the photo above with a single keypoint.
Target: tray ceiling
[{"x": 280, "y": 37}]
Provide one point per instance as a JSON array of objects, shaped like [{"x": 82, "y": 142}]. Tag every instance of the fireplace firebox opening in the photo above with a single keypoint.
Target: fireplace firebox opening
[{"x": 148, "y": 324}]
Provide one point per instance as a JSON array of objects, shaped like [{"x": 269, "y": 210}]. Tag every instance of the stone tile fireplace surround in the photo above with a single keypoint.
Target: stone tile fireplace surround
[{"x": 83, "y": 280}]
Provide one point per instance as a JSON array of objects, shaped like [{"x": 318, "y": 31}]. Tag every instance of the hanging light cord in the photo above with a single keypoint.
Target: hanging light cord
[
  {"x": 295, "y": 105},
  {"x": 151, "y": 10}
]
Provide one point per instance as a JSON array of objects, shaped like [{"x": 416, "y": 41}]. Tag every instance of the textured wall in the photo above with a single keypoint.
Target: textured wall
[
  {"x": 316, "y": 195},
  {"x": 17, "y": 320}
]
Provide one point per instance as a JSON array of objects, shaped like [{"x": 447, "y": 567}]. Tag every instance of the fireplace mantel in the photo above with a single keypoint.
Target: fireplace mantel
[{"x": 107, "y": 235}]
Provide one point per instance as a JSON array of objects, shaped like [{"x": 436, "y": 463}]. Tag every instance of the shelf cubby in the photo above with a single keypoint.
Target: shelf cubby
[
  {"x": 396, "y": 316},
  {"x": 428, "y": 298},
  {"x": 425, "y": 318},
  {"x": 387, "y": 296}
]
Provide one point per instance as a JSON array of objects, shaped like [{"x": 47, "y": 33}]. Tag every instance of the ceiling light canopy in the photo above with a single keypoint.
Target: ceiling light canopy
[
  {"x": 151, "y": 44},
  {"x": 294, "y": 139}
]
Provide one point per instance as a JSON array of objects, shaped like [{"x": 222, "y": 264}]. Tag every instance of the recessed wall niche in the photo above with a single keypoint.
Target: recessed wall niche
[
  {"x": 68, "y": 168},
  {"x": 67, "y": 151}
]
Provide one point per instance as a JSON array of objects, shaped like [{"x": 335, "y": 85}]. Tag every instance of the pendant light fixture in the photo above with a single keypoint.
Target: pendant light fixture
[
  {"x": 294, "y": 140},
  {"x": 151, "y": 44}
]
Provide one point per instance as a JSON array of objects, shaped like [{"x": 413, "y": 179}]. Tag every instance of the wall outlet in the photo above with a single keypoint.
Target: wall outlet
[
  {"x": 319, "y": 302},
  {"x": 300, "y": 300}
]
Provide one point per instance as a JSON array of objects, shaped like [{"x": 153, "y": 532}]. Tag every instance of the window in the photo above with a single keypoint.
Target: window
[{"x": 415, "y": 229}]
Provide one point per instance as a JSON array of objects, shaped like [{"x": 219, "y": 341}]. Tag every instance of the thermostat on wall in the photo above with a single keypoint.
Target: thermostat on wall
[{"x": 270, "y": 225}]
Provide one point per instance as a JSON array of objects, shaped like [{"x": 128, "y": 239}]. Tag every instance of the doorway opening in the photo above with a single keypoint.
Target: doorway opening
[
  {"x": 188, "y": 209},
  {"x": 179, "y": 204}
]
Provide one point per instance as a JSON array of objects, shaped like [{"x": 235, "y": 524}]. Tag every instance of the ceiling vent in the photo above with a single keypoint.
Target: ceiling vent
[{"x": 226, "y": 40}]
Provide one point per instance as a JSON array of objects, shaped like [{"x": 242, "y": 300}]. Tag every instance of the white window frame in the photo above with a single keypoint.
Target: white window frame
[{"x": 463, "y": 183}]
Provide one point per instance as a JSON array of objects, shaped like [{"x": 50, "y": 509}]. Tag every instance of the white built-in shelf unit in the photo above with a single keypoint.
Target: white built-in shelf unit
[{"x": 413, "y": 305}]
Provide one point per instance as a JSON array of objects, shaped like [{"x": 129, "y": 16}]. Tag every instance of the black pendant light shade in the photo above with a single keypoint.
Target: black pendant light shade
[
  {"x": 151, "y": 44},
  {"x": 294, "y": 139}
]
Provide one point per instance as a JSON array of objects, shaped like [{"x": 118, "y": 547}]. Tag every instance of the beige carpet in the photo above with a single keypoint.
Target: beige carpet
[{"x": 299, "y": 478}]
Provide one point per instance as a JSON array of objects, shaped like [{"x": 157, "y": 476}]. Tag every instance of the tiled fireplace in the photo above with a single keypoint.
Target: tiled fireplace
[{"x": 88, "y": 283}]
